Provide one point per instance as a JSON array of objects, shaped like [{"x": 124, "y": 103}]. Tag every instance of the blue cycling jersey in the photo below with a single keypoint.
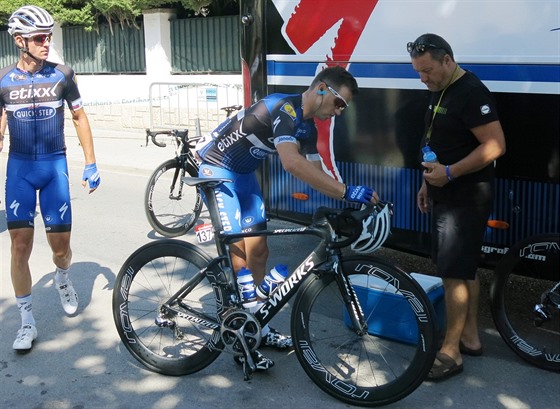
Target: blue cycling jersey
[
  {"x": 34, "y": 104},
  {"x": 242, "y": 142}
]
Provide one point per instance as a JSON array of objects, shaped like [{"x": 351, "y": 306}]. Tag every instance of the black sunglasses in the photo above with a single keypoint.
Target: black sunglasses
[{"x": 421, "y": 48}]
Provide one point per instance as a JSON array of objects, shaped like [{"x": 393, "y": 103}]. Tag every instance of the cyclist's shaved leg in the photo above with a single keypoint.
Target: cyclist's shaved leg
[
  {"x": 22, "y": 244},
  {"x": 252, "y": 253},
  {"x": 60, "y": 245},
  {"x": 237, "y": 254},
  {"x": 257, "y": 254}
]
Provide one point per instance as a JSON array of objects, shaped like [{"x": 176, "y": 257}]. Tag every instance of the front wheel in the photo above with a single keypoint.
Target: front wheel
[
  {"x": 168, "y": 334},
  {"x": 386, "y": 363},
  {"x": 172, "y": 207},
  {"x": 525, "y": 299}
]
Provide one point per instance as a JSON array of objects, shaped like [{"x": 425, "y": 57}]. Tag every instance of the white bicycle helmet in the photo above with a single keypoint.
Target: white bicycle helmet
[
  {"x": 375, "y": 229},
  {"x": 30, "y": 20}
]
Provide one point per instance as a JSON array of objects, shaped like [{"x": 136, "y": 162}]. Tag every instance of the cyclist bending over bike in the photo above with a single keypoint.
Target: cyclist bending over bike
[{"x": 284, "y": 124}]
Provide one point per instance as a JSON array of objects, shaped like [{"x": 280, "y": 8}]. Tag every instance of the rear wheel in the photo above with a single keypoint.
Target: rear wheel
[
  {"x": 391, "y": 359},
  {"x": 525, "y": 298},
  {"x": 172, "y": 338},
  {"x": 172, "y": 207}
]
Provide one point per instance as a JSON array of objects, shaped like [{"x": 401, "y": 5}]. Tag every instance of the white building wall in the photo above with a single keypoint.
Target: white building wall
[{"x": 156, "y": 99}]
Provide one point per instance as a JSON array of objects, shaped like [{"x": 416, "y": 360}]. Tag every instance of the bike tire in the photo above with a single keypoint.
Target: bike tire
[
  {"x": 148, "y": 278},
  {"x": 368, "y": 370},
  {"x": 169, "y": 212},
  {"x": 528, "y": 269}
]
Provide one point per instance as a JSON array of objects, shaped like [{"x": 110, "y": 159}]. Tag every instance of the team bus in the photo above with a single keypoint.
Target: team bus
[{"x": 513, "y": 47}]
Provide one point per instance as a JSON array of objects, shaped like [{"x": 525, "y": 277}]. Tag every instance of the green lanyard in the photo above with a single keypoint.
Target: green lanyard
[{"x": 436, "y": 109}]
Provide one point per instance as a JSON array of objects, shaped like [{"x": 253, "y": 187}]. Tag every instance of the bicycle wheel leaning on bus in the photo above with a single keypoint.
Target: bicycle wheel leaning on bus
[
  {"x": 155, "y": 335},
  {"x": 386, "y": 363},
  {"x": 172, "y": 207},
  {"x": 525, "y": 299}
]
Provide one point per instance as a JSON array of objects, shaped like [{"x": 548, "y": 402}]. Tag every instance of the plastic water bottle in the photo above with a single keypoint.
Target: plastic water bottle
[
  {"x": 247, "y": 288},
  {"x": 272, "y": 280},
  {"x": 429, "y": 156}
]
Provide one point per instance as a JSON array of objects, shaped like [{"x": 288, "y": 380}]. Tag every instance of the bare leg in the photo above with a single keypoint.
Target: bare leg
[
  {"x": 60, "y": 245},
  {"x": 457, "y": 303},
  {"x": 252, "y": 253},
  {"x": 470, "y": 336},
  {"x": 22, "y": 244}
]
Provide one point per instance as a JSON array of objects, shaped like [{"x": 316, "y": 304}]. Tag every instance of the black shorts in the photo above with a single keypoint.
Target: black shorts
[{"x": 457, "y": 237}]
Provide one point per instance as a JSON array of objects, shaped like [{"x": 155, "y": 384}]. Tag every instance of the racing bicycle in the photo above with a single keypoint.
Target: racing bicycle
[
  {"x": 364, "y": 330},
  {"x": 525, "y": 300},
  {"x": 172, "y": 208}
]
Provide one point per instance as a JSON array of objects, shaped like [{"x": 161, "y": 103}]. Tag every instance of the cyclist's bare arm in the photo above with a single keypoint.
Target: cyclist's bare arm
[
  {"x": 3, "y": 122},
  {"x": 309, "y": 172},
  {"x": 83, "y": 130}
]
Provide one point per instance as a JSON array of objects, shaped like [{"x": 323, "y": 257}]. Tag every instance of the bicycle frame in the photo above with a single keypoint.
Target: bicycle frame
[{"x": 325, "y": 257}]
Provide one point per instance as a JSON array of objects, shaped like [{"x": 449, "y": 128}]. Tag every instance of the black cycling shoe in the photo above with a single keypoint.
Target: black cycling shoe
[
  {"x": 261, "y": 362},
  {"x": 275, "y": 339}
]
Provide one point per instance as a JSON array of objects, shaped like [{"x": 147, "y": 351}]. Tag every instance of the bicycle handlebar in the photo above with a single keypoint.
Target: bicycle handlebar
[
  {"x": 179, "y": 134},
  {"x": 346, "y": 222}
]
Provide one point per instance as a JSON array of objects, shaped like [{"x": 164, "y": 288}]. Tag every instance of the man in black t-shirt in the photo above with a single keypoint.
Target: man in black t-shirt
[{"x": 463, "y": 129}]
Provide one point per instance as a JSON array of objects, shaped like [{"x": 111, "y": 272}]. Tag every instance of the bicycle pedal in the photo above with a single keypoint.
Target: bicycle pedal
[{"x": 247, "y": 372}]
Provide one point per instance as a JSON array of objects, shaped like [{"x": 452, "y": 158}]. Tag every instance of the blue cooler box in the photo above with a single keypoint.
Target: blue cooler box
[{"x": 392, "y": 316}]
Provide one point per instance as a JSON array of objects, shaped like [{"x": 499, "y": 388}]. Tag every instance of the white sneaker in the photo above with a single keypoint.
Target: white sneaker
[
  {"x": 25, "y": 337},
  {"x": 68, "y": 296}
]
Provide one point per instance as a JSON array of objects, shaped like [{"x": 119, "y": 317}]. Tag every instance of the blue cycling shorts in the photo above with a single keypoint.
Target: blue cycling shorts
[
  {"x": 241, "y": 204},
  {"x": 24, "y": 178}
]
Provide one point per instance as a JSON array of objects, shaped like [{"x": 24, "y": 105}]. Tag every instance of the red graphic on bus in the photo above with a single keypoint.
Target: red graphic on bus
[{"x": 307, "y": 24}]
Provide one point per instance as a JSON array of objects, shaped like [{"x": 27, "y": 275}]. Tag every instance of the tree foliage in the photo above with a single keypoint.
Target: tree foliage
[{"x": 89, "y": 13}]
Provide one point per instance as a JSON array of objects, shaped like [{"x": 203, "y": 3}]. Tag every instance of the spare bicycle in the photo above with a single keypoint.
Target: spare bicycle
[
  {"x": 525, "y": 300},
  {"x": 364, "y": 330},
  {"x": 172, "y": 208}
]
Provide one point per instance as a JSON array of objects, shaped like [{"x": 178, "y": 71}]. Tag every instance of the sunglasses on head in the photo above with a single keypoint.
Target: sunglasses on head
[
  {"x": 421, "y": 48},
  {"x": 339, "y": 101},
  {"x": 40, "y": 39}
]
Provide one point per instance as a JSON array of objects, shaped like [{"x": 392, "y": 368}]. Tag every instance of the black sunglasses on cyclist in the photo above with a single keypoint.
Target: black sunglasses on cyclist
[
  {"x": 421, "y": 48},
  {"x": 40, "y": 39},
  {"x": 339, "y": 101}
]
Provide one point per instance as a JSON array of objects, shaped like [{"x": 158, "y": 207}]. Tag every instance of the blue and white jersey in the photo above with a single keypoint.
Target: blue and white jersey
[
  {"x": 34, "y": 105},
  {"x": 242, "y": 142}
]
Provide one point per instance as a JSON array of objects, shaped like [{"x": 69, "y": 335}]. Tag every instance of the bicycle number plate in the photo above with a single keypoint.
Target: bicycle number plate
[{"x": 204, "y": 232}]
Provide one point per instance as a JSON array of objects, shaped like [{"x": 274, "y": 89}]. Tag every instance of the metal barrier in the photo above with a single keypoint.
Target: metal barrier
[{"x": 191, "y": 106}]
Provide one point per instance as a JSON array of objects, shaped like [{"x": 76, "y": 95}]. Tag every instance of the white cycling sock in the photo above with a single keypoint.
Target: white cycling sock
[
  {"x": 25, "y": 307},
  {"x": 60, "y": 276}
]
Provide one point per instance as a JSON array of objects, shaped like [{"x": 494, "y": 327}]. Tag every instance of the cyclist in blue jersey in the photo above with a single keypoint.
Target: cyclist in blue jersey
[
  {"x": 33, "y": 92},
  {"x": 282, "y": 124}
]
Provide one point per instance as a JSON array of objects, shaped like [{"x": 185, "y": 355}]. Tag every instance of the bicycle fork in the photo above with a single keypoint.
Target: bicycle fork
[{"x": 351, "y": 301}]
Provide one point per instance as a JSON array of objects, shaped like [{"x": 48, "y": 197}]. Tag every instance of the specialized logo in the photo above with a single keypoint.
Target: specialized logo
[
  {"x": 207, "y": 172},
  {"x": 305, "y": 30},
  {"x": 63, "y": 209},
  {"x": 14, "y": 207},
  {"x": 289, "y": 109},
  {"x": 484, "y": 109}
]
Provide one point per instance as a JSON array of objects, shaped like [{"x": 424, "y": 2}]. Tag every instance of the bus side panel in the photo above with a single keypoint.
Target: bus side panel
[{"x": 513, "y": 47}]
